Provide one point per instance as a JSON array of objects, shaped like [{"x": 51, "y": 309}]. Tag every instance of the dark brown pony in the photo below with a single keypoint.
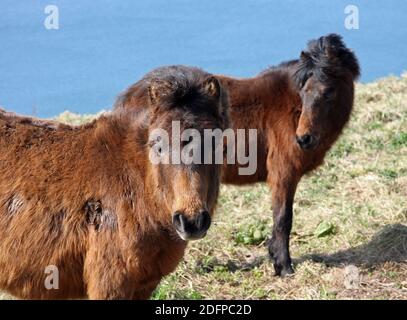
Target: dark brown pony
[
  {"x": 299, "y": 110},
  {"x": 88, "y": 202}
]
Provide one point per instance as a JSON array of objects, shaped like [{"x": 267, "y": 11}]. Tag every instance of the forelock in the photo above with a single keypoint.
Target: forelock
[{"x": 327, "y": 58}]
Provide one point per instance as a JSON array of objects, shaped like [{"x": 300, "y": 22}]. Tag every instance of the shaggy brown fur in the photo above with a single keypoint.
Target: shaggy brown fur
[
  {"x": 310, "y": 96},
  {"x": 88, "y": 200}
]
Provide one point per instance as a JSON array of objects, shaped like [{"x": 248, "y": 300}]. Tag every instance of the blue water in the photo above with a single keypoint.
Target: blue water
[{"x": 104, "y": 46}]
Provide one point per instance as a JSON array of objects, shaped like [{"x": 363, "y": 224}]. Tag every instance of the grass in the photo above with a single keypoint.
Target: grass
[
  {"x": 352, "y": 211},
  {"x": 349, "y": 238}
]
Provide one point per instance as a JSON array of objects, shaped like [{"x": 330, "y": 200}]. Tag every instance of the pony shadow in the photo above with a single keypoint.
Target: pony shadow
[{"x": 387, "y": 245}]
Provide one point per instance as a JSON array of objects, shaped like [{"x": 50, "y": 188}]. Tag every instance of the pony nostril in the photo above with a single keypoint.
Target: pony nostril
[
  {"x": 178, "y": 220},
  {"x": 203, "y": 221},
  {"x": 305, "y": 140}
]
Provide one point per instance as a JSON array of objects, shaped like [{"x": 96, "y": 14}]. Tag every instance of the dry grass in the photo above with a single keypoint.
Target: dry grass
[
  {"x": 349, "y": 237},
  {"x": 359, "y": 193}
]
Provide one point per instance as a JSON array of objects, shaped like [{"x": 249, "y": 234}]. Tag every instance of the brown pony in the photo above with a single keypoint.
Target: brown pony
[
  {"x": 299, "y": 110},
  {"x": 88, "y": 202}
]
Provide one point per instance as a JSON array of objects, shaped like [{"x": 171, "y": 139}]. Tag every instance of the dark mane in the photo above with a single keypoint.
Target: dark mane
[
  {"x": 283, "y": 65},
  {"x": 328, "y": 59},
  {"x": 185, "y": 82}
]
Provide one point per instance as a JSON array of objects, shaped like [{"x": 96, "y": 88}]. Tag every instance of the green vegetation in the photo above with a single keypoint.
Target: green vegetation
[{"x": 252, "y": 233}]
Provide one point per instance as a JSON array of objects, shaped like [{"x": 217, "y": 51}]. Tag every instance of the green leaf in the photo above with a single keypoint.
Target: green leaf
[
  {"x": 325, "y": 228},
  {"x": 257, "y": 235}
]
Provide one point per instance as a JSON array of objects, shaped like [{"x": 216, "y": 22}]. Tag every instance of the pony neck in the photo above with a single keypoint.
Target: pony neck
[{"x": 279, "y": 93}]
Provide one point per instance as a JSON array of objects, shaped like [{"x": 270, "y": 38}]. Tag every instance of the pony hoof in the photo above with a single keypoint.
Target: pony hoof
[
  {"x": 283, "y": 271},
  {"x": 287, "y": 272}
]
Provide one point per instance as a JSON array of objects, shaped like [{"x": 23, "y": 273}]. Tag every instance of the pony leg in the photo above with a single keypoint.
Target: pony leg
[
  {"x": 283, "y": 191},
  {"x": 107, "y": 285},
  {"x": 105, "y": 271}
]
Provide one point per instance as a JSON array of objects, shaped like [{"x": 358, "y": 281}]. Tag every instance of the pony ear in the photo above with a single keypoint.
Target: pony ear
[
  {"x": 211, "y": 86},
  {"x": 158, "y": 90},
  {"x": 330, "y": 52},
  {"x": 304, "y": 55}
]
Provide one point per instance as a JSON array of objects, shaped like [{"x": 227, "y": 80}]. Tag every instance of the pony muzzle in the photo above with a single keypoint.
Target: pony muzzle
[{"x": 191, "y": 227}]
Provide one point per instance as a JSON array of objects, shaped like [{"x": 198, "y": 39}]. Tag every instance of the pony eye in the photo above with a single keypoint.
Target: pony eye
[
  {"x": 156, "y": 146},
  {"x": 329, "y": 94},
  {"x": 160, "y": 151}
]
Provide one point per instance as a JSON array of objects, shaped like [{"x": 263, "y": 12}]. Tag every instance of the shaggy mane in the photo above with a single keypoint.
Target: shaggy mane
[
  {"x": 185, "y": 81},
  {"x": 328, "y": 59}
]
